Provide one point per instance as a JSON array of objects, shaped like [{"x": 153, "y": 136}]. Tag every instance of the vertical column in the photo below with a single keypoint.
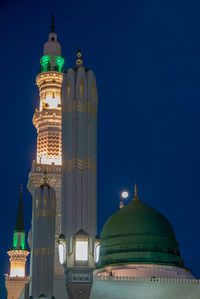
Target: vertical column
[
  {"x": 79, "y": 176},
  {"x": 43, "y": 233},
  {"x": 79, "y": 134}
]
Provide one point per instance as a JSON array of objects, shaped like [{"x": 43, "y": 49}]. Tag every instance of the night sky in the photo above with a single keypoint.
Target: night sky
[{"x": 146, "y": 58}]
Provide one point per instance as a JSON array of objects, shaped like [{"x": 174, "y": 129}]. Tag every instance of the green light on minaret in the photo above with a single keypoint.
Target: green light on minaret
[
  {"x": 52, "y": 63},
  {"x": 60, "y": 62},
  {"x": 19, "y": 240},
  {"x": 45, "y": 62},
  {"x": 22, "y": 241},
  {"x": 15, "y": 239}
]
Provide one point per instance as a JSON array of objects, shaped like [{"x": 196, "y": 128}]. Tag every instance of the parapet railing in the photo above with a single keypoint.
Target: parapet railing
[
  {"x": 40, "y": 168},
  {"x": 147, "y": 279}
]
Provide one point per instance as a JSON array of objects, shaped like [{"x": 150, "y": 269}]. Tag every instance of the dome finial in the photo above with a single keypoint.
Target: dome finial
[
  {"x": 135, "y": 189},
  {"x": 136, "y": 195},
  {"x": 79, "y": 60},
  {"x": 21, "y": 188},
  {"x": 52, "y": 23}
]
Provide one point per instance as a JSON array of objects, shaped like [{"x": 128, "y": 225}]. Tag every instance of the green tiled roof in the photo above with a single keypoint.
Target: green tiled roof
[{"x": 138, "y": 234}]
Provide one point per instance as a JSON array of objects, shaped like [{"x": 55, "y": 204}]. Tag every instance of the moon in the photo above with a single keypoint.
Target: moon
[{"x": 124, "y": 194}]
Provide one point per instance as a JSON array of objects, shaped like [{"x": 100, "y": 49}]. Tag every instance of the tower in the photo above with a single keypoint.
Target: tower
[
  {"x": 79, "y": 135},
  {"x": 79, "y": 175},
  {"x": 17, "y": 279},
  {"x": 43, "y": 234},
  {"x": 47, "y": 120}
]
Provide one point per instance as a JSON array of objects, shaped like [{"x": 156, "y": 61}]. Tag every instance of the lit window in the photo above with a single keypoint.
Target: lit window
[
  {"x": 61, "y": 253},
  {"x": 81, "y": 250},
  {"x": 62, "y": 249},
  {"x": 96, "y": 253}
]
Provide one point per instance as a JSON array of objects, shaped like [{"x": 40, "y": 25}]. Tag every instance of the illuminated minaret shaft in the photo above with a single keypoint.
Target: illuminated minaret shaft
[
  {"x": 47, "y": 120},
  {"x": 17, "y": 279}
]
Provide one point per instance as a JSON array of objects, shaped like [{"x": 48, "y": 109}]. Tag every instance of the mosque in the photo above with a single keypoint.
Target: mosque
[{"x": 136, "y": 256}]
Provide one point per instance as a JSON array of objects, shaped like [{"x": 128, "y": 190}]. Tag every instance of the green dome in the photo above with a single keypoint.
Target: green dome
[{"x": 138, "y": 234}]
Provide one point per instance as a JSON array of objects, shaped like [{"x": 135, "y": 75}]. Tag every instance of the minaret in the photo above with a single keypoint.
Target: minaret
[
  {"x": 17, "y": 279},
  {"x": 79, "y": 175},
  {"x": 43, "y": 235},
  {"x": 47, "y": 120}
]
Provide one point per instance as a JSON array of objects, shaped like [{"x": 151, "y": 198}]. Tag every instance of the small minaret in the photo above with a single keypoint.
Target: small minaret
[
  {"x": 43, "y": 234},
  {"x": 17, "y": 279},
  {"x": 79, "y": 175}
]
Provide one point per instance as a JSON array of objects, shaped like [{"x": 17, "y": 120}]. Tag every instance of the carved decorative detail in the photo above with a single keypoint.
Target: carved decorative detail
[
  {"x": 79, "y": 106},
  {"x": 80, "y": 164}
]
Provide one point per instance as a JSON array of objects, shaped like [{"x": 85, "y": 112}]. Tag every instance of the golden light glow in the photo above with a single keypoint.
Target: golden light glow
[
  {"x": 45, "y": 159},
  {"x": 17, "y": 262},
  {"x": 48, "y": 119},
  {"x": 49, "y": 147},
  {"x": 17, "y": 270},
  {"x": 50, "y": 103}
]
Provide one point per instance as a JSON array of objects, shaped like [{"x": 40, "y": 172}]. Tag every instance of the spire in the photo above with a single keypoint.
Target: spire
[
  {"x": 136, "y": 196},
  {"x": 135, "y": 189},
  {"x": 20, "y": 214},
  {"x": 79, "y": 60},
  {"x": 52, "y": 23}
]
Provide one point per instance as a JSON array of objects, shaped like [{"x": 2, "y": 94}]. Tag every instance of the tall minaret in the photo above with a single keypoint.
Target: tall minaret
[
  {"x": 47, "y": 120},
  {"x": 79, "y": 175},
  {"x": 17, "y": 279}
]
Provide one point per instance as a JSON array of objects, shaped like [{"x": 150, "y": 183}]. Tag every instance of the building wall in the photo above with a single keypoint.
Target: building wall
[
  {"x": 145, "y": 270},
  {"x": 139, "y": 289}
]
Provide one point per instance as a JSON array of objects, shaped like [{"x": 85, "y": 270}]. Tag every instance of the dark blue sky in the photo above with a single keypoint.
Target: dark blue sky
[{"x": 146, "y": 57}]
